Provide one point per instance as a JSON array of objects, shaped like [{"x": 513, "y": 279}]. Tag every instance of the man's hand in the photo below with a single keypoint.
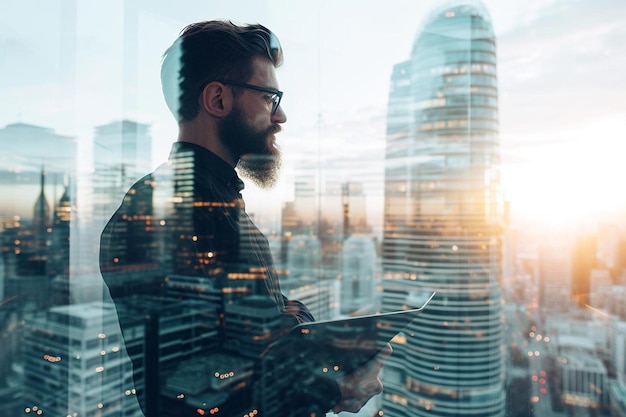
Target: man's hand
[{"x": 358, "y": 387}]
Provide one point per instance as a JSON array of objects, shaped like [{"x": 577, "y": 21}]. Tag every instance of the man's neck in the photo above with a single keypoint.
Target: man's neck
[{"x": 207, "y": 137}]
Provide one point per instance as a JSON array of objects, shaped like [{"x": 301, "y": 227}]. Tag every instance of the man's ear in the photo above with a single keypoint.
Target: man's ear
[{"x": 216, "y": 99}]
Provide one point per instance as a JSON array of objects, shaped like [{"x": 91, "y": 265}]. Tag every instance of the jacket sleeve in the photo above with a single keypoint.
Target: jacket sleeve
[{"x": 298, "y": 310}]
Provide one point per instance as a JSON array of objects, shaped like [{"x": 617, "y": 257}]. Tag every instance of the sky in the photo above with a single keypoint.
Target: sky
[{"x": 74, "y": 65}]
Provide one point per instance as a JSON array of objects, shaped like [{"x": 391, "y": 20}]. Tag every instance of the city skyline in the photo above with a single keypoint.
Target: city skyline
[
  {"x": 375, "y": 207},
  {"x": 559, "y": 64}
]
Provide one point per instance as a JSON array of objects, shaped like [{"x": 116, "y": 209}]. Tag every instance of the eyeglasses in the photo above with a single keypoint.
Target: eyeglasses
[{"x": 276, "y": 95}]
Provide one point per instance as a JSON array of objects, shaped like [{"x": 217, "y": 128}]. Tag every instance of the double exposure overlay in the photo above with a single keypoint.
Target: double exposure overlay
[{"x": 430, "y": 223}]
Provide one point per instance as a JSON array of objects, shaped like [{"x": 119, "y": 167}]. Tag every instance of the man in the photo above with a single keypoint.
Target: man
[{"x": 188, "y": 270}]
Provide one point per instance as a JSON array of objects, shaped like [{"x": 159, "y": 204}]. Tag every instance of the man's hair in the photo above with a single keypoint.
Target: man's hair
[{"x": 212, "y": 51}]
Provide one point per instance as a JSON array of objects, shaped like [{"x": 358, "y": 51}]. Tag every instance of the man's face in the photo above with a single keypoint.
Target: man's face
[{"x": 249, "y": 129}]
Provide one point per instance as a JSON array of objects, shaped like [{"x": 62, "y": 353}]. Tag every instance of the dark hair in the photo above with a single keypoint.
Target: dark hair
[{"x": 211, "y": 51}]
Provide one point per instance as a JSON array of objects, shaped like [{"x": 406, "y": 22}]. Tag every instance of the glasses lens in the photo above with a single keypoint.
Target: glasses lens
[{"x": 276, "y": 99}]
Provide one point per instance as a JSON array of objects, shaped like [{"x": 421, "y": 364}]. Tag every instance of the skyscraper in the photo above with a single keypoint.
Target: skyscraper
[
  {"x": 74, "y": 363},
  {"x": 122, "y": 154},
  {"x": 59, "y": 259},
  {"x": 25, "y": 150},
  {"x": 443, "y": 213},
  {"x": 358, "y": 276},
  {"x": 555, "y": 276},
  {"x": 584, "y": 260}
]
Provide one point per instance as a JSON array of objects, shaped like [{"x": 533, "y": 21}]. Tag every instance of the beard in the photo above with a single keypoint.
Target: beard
[{"x": 259, "y": 158}]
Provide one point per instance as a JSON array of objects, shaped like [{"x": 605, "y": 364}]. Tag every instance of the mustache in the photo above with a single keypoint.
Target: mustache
[{"x": 273, "y": 129}]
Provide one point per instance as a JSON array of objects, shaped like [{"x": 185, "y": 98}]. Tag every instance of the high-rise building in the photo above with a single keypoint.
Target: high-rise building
[
  {"x": 354, "y": 206},
  {"x": 34, "y": 244},
  {"x": 617, "y": 396},
  {"x": 59, "y": 259},
  {"x": 442, "y": 221},
  {"x": 26, "y": 249},
  {"x": 618, "y": 347},
  {"x": 583, "y": 376},
  {"x": 173, "y": 331},
  {"x": 319, "y": 295},
  {"x": 616, "y": 298},
  {"x": 25, "y": 146},
  {"x": 25, "y": 150},
  {"x": 358, "y": 276},
  {"x": 584, "y": 260},
  {"x": 306, "y": 197},
  {"x": 600, "y": 288},
  {"x": 34, "y": 162},
  {"x": 617, "y": 389},
  {"x": 304, "y": 256},
  {"x": 122, "y": 154},
  {"x": 74, "y": 363},
  {"x": 555, "y": 276}
]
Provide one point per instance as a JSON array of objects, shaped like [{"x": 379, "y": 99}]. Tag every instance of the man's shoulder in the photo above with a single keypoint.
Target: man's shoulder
[
  {"x": 138, "y": 198},
  {"x": 159, "y": 178},
  {"x": 143, "y": 184},
  {"x": 162, "y": 174}
]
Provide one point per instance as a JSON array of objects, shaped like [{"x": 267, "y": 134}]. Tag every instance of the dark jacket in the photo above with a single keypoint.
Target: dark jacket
[{"x": 198, "y": 299}]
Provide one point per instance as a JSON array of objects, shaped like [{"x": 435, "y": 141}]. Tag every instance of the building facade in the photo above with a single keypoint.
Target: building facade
[
  {"x": 122, "y": 154},
  {"x": 358, "y": 274},
  {"x": 442, "y": 221},
  {"x": 74, "y": 363}
]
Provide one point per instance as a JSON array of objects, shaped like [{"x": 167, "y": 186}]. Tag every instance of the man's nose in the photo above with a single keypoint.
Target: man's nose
[{"x": 279, "y": 116}]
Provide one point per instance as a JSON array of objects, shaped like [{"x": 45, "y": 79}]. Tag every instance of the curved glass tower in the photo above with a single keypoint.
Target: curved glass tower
[{"x": 442, "y": 227}]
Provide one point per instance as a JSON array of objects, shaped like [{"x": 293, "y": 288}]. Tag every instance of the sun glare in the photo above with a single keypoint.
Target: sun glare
[{"x": 568, "y": 177}]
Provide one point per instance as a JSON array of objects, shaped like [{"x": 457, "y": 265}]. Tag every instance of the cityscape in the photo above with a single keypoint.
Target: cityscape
[{"x": 527, "y": 320}]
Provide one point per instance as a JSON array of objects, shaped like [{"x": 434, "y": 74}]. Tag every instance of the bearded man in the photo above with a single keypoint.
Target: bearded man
[{"x": 186, "y": 267}]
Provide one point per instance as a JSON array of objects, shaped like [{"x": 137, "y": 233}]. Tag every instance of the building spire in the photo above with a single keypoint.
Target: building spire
[{"x": 41, "y": 214}]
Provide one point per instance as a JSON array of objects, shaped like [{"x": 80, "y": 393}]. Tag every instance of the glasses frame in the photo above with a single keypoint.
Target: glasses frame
[{"x": 277, "y": 95}]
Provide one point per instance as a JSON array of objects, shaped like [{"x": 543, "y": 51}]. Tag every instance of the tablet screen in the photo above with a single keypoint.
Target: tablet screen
[{"x": 334, "y": 348}]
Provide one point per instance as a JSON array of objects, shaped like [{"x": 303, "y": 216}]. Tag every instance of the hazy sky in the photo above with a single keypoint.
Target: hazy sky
[{"x": 71, "y": 65}]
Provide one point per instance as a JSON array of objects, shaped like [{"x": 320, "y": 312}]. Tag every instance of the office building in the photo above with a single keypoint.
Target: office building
[
  {"x": 59, "y": 257},
  {"x": 354, "y": 204},
  {"x": 442, "y": 221},
  {"x": 584, "y": 381},
  {"x": 555, "y": 276},
  {"x": 600, "y": 288},
  {"x": 122, "y": 154},
  {"x": 321, "y": 297},
  {"x": 616, "y": 297},
  {"x": 592, "y": 327},
  {"x": 618, "y": 347},
  {"x": 74, "y": 363},
  {"x": 583, "y": 376},
  {"x": 358, "y": 276},
  {"x": 617, "y": 397},
  {"x": 172, "y": 331},
  {"x": 617, "y": 388},
  {"x": 304, "y": 255},
  {"x": 584, "y": 260}
]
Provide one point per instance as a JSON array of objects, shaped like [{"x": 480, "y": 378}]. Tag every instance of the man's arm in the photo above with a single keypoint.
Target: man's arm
[{"x": 298, "y": 310}]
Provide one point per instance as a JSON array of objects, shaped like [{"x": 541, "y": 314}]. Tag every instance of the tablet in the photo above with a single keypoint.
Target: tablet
[{"x": 334, "y": 348}]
